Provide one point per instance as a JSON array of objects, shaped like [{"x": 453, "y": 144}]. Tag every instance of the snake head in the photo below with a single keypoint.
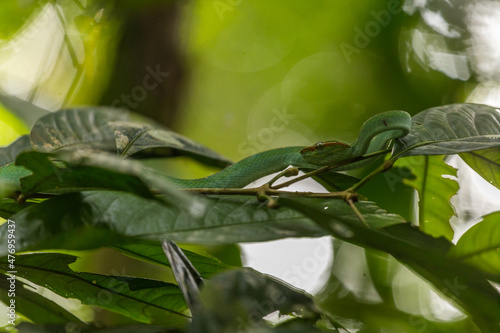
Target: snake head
[{"x": 327, "y": 152}]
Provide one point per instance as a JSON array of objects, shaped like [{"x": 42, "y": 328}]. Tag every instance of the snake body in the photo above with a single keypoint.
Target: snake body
[
  {"x": 249, "y": 169},
  {"x": 374, "y": 136}
]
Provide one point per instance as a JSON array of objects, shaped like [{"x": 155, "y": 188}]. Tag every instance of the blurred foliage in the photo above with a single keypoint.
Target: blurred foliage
[
  {"x": 55, "y": 53},
  {"x": 10, "y": 127},
  {"x": 293, "y": 61}
]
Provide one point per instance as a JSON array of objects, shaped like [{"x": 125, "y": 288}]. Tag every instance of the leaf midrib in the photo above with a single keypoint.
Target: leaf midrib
[
  {"x": 133, "y": 140},
  {"x": 484, "y": 158},
  {"x": 478, "y": 252}
]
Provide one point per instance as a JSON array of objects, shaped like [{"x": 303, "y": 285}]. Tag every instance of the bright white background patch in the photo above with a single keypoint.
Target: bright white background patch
[{"x": 303, "y": 262}]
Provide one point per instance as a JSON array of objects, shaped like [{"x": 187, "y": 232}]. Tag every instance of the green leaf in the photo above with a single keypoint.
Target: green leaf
[
  {"x": 486, "y": 163},
  {"x": 9, "y": 207},
  {"x": 34, "y": 306},
  {"x": 111, "y": 130},
  {"x": 80, "y": 170},
  {"x": 390, "y": 193},
  {"x": 8, "y": 154},
  {"x": 350, "y": 230},
  {"x": 300, "y": 325},
  {"x": 152, "y": 251},
  {"x": 144, "y": 140},
  {"x": 451, "y": 129},
  {"x": 188, "y": 278},
  {"x": 434, "y": 193},
  {"x": 467, "y": 288},
  {"x": 25, "y": 110},
  {"x": 92, "y": 219},
  {"x": 49, "y": 176},
  {"x": 238, "y": 299},
  {"x": 334, "y": 181},
  {"x": 480, "y": 246},
  {"x": 76, "y": 129},
  {"x": 153, "y": 179},
  {"x": 129, "y": 296},
  {"x": 26, "y": 327}
]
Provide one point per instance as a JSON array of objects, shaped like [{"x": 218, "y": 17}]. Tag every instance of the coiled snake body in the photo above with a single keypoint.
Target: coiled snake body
[{"x": 374, "y": 136}]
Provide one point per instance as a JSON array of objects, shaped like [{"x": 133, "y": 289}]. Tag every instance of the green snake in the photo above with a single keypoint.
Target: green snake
[{"x": 374, "y": 136}]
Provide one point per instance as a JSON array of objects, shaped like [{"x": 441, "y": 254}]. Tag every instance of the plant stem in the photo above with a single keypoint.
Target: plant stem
[
  {"x": 289, "y": 172},
  {"x": 330, "y": 167},
  {"x": 357, "y": 212},
  {"x": 266, "y": 191},
  {"x": 381, "y": 168},
  {"x": 304, "y": 176}
]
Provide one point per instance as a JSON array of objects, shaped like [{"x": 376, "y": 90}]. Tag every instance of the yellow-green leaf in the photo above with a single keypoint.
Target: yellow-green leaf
[
  {"x": 486, "y": 163},
  {"x": 480, "y": 245},
  {"x": 434, "y": 193}
]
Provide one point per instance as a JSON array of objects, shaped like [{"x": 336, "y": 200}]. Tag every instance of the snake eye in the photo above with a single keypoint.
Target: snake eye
[{"x": 319, "y": 144}]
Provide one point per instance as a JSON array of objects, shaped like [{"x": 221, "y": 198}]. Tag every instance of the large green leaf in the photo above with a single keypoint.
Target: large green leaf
[
  {"x": 48, "y": 176},
  {"x": 451, "y": 129},
  {"x": 153, "y": 179},
  {"x": 26, "y": 327},
  {"x": 34, "y": 306},
  {"x": 129, "y": 296},
  {"x": 111, "y": 130},
  {"x": 144, "y": 140},
  {"x": 8, "y": 154},
  {"x": 486, "y": 163},
  {"x": 467, "y": 288},
  {"x": 76, "y": 129},
  {"x": 405, "y": 235},
  {"x": 91, "y": 219},
  {"x": 152, "y": 251},
  {"x": 238, "y": 300},
  {"x": 434, "y": 193},
  {"x": 480, "y": 246},
  {"x": 87, "y": 170},
  {"x": 188, "y": 278}
]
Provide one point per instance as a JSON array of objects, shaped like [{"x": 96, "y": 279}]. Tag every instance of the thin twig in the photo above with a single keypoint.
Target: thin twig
[
  {"x": 266, "y": 191},
  {"x": 329, "y": 167},
  {"x": 304, "y": 176},
  {"x": 357, "y": 212},
  {"x": 289, "y": 172},
  {"x": 381, "y": 168}
]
